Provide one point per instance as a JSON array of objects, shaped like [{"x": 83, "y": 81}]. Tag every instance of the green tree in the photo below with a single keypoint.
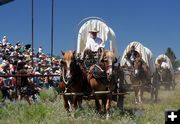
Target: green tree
[
  {"x": 176, "y": 64},
  {"x": 169, "y": 52}
]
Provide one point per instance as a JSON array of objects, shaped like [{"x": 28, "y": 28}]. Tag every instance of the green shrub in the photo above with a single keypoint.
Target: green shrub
[{"x": 48, "y": 95}]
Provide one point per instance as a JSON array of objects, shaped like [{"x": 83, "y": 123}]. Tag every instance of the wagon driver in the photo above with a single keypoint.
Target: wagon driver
[
  {"x": 93, "y": 44},
  {"x": 132, "y": 54}
]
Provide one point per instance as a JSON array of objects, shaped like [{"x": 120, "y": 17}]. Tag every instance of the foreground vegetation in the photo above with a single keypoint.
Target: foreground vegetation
[{"x": 49, "y": 110}]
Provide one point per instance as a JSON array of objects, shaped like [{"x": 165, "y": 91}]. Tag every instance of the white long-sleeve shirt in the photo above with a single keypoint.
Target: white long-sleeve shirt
[
  {"x": 94, "y": 45},
  {"x": 40, "y": 50},
  {"x": 4, "y": 40},
  {"x": 165, "y": 65}
]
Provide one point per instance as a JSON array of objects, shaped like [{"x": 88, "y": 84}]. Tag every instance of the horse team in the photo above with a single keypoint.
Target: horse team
[
  {"x": 100, "y": 74},
  {"x": 75, "y": 77},
  {"x": 103, "y": 76}
]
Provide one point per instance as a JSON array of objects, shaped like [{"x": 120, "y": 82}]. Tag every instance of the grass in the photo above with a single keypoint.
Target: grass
[{"x": 50, "y": 110}]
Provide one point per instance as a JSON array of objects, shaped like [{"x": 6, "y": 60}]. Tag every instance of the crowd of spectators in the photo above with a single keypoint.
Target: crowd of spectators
[{"x": 42, "y": 64}]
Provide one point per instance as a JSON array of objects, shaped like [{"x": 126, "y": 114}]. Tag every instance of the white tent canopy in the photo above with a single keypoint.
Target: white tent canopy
[
  {"x": 147, "y": 55},
  {"x": 105, "y": 33},
  {"x": 167, "y": 60}
]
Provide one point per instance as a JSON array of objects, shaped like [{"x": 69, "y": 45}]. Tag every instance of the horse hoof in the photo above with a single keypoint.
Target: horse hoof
[
  {"x": 68, "y": 114},
  {"x": 73, "y": 115},
  {"x": 140, "y": 102},
  {"x": 107, "y": 116}
]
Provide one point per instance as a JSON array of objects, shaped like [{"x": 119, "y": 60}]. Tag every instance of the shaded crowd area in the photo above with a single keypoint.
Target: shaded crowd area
[{"x": 43, "y": 64}]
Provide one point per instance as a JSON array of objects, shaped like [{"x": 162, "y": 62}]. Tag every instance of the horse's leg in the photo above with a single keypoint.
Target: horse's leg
[
  {"x": 75, "y": 101},
  {"x": 108, "y": 105},
  {"x": 104, "y": 100},
  {"x": 155, "y": 86},
  {"x": 160, "y": 75},
  {"x": 79, "y": 102},
  {"x": 66, "y": 105},
  {"x": 98, "y": 105},
  {"x": 136, "y": 94},
  {"x": 152, "y": 91},
  {"x": 156, "y": 95},
  {"x": 135, "y": 88},
  {"x": 70, "y": 102},
  {"x": 139, "y": 95},
  {"x": 140, "y": 92}
]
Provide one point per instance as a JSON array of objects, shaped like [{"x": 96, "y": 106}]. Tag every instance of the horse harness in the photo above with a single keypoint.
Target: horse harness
[{"x": 75, "y": 77}]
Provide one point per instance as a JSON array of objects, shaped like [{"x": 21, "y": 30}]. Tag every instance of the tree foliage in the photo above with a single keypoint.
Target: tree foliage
[
  {"x": 169, "y": 52},
  {"x": 176, "y": 64}
]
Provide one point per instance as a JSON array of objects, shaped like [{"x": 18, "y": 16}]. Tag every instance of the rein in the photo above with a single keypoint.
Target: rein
[
  {"x": 99, "y": 67},
  {"x": 63, "y": 76}
]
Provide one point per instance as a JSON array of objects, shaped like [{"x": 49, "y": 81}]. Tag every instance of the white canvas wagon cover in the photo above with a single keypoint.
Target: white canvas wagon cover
[
  {"x": 105, "y": 33},
  {"x": 147, "y": 55},
  {"x": 167, "y": 60}
]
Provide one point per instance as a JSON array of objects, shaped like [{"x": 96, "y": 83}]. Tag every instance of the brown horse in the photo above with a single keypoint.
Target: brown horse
[
  {"x": 102, "y": 82},
  {"x": 139, "y": 77},
  {"x": 118, "y": 85},
  {"x": 73, "y": 79},
  {"x": 109, "y": 59}
]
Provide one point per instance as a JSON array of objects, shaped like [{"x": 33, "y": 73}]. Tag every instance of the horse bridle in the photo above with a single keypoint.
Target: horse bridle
[{"x": 66, "y": 82}]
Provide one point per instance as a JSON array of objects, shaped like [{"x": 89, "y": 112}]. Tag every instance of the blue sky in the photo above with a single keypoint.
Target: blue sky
[{"x": 155, "y": 23}]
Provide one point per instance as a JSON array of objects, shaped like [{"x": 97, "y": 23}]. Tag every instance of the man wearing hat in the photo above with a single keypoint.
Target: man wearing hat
[
  {"x": 93, "y": 42},
  {"x": 132, "y": 54}
]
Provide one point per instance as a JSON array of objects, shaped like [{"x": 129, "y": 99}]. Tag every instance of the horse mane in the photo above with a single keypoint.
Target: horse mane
[
  {"x": 78, "y": 70},
  {"x": 108, "y": 53}
]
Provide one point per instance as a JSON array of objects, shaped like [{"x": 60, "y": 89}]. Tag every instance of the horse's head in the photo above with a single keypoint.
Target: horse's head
[
  {"x": 165, "y": 74},
  {"x": 68, "y": 65},
  {"x": 138, "y": 66},
  {"x": 108, "y": 59}
]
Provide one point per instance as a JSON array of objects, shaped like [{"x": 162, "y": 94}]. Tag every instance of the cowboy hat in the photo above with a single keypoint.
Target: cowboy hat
[{"x": 93, "y": 30}]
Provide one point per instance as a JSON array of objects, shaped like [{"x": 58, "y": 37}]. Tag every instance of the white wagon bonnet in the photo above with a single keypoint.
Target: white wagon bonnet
[{"x": 105, "y": 33}]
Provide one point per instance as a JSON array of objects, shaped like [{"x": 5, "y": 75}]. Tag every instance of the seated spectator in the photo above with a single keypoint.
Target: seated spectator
[
  {"x": 4, "y": 40},
  {"x": 40, "y": 50}
]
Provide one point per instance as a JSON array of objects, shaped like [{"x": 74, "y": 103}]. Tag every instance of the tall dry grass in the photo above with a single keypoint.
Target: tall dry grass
[{"x": 49, "y": 110}]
